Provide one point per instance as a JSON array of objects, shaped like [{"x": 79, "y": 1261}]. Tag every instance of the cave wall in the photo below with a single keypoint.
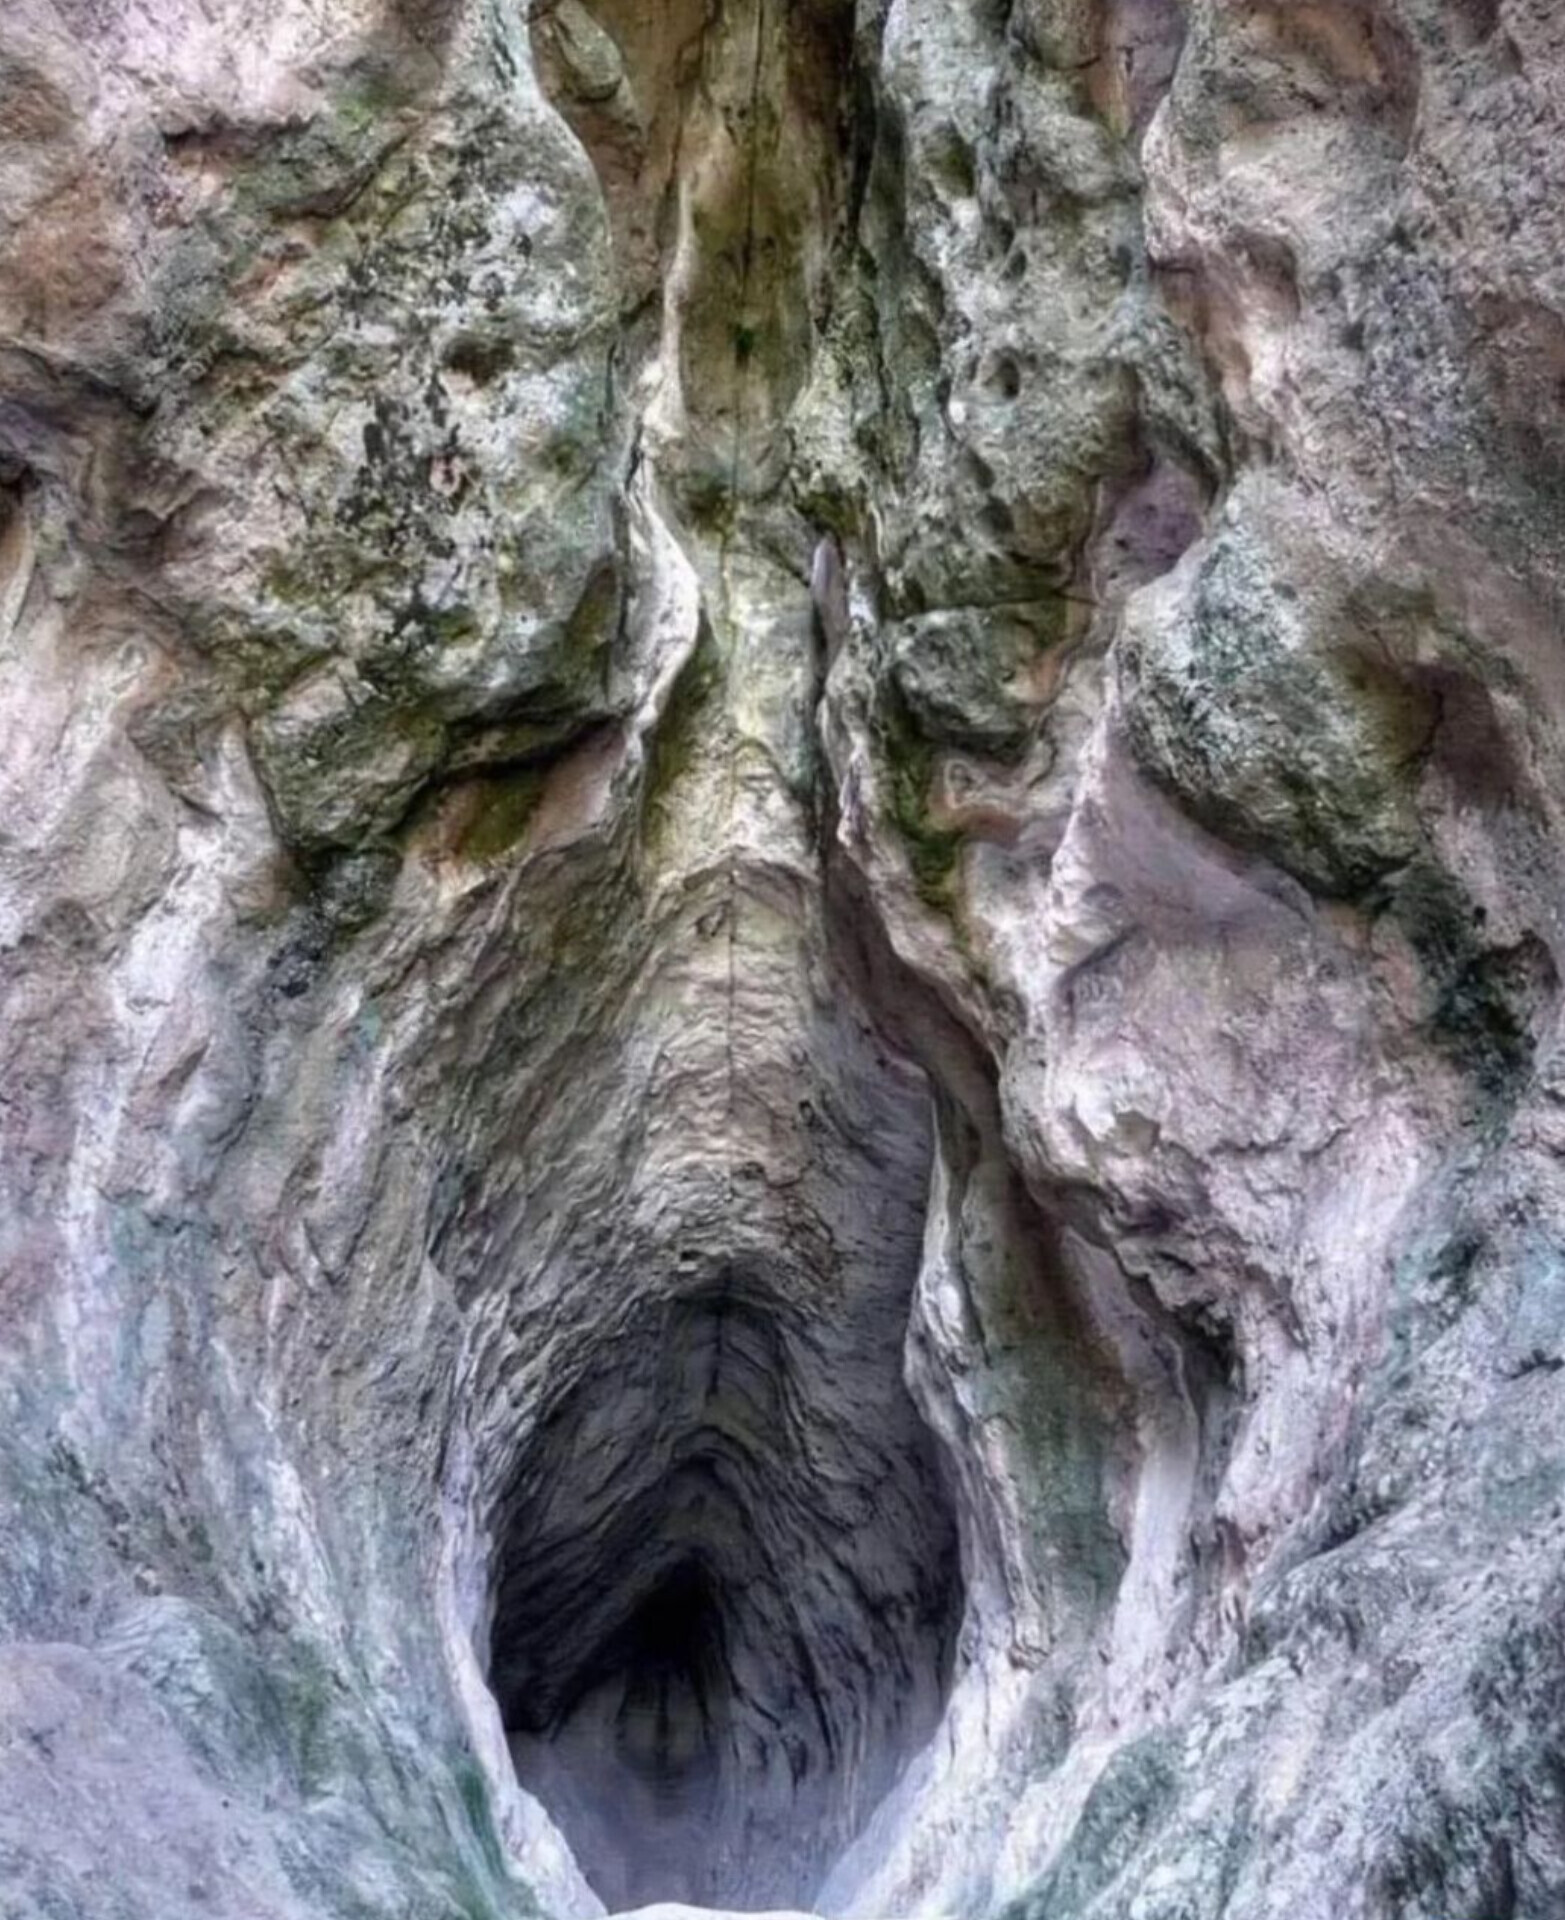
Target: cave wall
[{"x": 778, "y": 936}]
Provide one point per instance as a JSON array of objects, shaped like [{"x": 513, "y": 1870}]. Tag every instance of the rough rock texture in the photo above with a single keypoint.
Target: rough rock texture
[{"x": 780, "y": 953}]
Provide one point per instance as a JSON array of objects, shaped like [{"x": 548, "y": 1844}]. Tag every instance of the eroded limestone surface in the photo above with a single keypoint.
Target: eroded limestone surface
[{"x": 779, "y": 944}]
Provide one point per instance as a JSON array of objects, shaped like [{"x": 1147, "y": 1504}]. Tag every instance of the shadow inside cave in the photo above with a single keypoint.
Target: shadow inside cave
[{"x": 726, "y": 1604}]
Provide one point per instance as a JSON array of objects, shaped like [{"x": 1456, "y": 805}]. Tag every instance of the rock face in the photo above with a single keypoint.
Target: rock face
[{"x": 780, "y": 944}]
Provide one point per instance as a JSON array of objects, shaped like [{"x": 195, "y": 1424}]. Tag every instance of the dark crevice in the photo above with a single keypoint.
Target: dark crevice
[{"x": 726, "y": 1597}]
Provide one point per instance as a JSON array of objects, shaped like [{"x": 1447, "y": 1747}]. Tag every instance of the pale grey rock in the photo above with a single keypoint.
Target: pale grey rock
[{"x": 779, "y": 906}]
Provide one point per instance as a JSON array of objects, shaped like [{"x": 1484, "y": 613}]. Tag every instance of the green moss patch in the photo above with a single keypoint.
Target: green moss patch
[
  {"x": 909, "y": 759},
  {"x": 502, "y": 810},
  {"x": 1483, "y": 995}
]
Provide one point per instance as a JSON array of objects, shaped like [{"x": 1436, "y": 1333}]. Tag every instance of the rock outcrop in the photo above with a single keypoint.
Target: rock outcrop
[{"x": 780, "y": 950}]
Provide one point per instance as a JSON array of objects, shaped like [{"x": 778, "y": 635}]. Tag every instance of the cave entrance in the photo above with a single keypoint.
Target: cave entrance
[{"x": 726, "y": 1599}]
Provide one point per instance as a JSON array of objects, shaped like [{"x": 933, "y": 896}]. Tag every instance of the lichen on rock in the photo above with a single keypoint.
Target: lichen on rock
[{"x": 779, "y": 907}]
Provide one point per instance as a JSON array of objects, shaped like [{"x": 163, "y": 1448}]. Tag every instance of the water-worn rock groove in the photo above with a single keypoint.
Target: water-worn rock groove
[{"x": 726, "y": 1587}]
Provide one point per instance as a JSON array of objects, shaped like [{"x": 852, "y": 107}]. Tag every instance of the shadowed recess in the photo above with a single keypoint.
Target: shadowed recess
[{"x": 726, "y": 1600}]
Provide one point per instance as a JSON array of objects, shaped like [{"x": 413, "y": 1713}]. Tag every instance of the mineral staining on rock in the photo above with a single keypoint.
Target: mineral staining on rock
[{"x": 780, "y": 902}]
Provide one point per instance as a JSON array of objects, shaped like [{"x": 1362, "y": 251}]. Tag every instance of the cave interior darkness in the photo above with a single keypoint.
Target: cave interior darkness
[{"x": 726, "y": 1600}]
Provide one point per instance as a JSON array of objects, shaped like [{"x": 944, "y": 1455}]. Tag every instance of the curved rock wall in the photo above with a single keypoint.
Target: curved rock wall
[{"x": 778, "y": 931}]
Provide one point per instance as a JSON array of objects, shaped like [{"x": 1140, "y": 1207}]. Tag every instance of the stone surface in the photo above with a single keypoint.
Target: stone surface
[{"x": 779, "y": 927}]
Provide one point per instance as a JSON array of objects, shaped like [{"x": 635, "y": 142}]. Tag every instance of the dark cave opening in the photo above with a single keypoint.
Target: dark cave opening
[
  {"x": 665, "y": 1668},
  {"x": 726, "y": 1599}
]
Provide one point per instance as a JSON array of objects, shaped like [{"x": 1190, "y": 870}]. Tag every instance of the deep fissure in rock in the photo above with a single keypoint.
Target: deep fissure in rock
[
  {"x": 726, "y": 1598},
  {"x": 725, "y": 1581}
]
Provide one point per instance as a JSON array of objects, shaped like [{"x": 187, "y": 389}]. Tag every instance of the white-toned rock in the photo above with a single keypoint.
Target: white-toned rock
[{"x": 779, "y": 947}]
